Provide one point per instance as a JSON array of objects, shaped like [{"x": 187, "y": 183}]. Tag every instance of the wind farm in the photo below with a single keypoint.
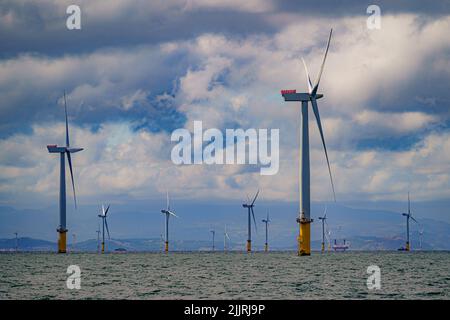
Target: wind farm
[{"x": 238, "y": 150}]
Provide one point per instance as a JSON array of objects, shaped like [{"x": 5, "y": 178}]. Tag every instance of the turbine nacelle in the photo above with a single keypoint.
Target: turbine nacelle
[{"x": 292, "y": 95}]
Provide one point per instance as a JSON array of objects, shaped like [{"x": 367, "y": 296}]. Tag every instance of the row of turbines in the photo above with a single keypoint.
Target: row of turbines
[{"x": 304, "y": 217}]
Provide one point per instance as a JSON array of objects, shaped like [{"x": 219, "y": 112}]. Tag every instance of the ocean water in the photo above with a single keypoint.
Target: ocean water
[{"x": 275, "y": 275}]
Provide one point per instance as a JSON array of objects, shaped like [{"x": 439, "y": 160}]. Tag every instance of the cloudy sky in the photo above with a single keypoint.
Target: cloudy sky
[{"x": 137, "y": 70}]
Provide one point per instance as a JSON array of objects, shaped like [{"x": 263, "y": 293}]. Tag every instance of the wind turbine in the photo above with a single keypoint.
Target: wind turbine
[
  {"x": 250, "y": 213},
  {"x": 103, "y": 216},
  {"x": 225, "y": 237},
  {"x": 323, "y": 228},
  {"x": 73, "y": 241},
  {"x": 266, "y": 221},
  {"x": 213, "y": 238},
  {"x": 168, "y": 213},
  {"x": 420, "y": 238},
  {"x": 304, "y": 219},
  {"x": 408, "y": 216},
  {"x": 98, "y": 238},
  {"x": 63, "y": 151},
  {"x": 17, "y": 242}
]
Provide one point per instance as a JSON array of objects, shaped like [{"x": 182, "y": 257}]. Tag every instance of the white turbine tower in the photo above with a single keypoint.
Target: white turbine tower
[
  {"x": 304, "y": 219},
  {"x": 225, "y": 237},
  {"x": 167, "y": 213}
]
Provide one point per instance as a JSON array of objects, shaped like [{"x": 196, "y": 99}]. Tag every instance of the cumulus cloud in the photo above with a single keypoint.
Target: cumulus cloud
[{"x": 125, "y": 100}]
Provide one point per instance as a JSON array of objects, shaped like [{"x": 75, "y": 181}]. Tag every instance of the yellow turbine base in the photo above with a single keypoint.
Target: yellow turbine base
[
  {"x": 304, "y": 239},
  {"x": 103, "y": 247},
  {"x": 249, "y": 245},
  {"x": 407, "y": 246},
  {"x": 266, "y": 247},
  {"x": 166, "y": 248},
  {"x": 62, "y": 242},
  {"x": 323, "y": 247}
]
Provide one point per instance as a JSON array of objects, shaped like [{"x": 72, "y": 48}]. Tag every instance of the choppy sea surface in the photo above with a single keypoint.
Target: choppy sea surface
[{"x": 232, "y": 275}]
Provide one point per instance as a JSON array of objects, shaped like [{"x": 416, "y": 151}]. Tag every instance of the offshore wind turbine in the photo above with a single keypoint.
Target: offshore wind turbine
[
  {"x": 17, "y": 242},
  {"x": 408, "y": 216},
  {"x": 168, "y": 213},
  {"x": 225, "y": 237},
  {"x": 420, "y": 238},
  {"x": 266, "y": 221},
  {"x": 98, "y": 238},
  {"x": 323, "y": 228},
  {"x": 250, "y": 206},
  {"x": 213, "y": 238},
  {"x": 304, "y": 219},
  {"x": 64, "y": 151},
  {"x": 103, "y": 216}
]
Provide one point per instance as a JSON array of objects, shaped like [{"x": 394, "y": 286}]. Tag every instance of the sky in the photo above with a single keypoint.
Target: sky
[{"x": 138, "y": 70}]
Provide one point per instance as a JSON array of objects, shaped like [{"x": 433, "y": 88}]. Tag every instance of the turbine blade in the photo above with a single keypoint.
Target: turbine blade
[
  {"x": 103, "y": 209},
  {"x": 107, "y": 229},
  {"x": 254, "y": 220},
  {"x": 314, "y": 91},
  {"x": 319, "y": 124},
  {"x": 254, "y": 199},
  {"x": 168, "y": 203},
  {"x": 308, "y": 79},
  {"x": 170, "y": 212},
  {"x": 413, "y": 219},
  {"x": 69, "y": 159},
  {"x": 107, "y": 209},
  {"x": 67, "y": 122},
  {"x": 325, "y": 212}
]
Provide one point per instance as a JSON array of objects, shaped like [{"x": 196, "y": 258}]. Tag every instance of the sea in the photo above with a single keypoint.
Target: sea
[{"x": 226, "y": 275}]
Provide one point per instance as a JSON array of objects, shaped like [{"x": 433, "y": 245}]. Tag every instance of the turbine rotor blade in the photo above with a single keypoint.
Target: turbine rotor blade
[
  {"x": 256, "y": 196},
  {"x": 254, "y": 220},
  {"x": 67, "y": 122},
  {"x": 314, "y": 91},
  {"x": 308, "y": 79},
  {"x": 413, "y": 219},
  {"x": 107, "y": 229},
  {"x": 168, "y": 203},
  {"x": 107, "y": 209},
  {"x": 173, "y": 214},
  {"x": 319, "y": 125},
  {"x": 103, "y": 209},
  {"x": 69, "y": 159}
]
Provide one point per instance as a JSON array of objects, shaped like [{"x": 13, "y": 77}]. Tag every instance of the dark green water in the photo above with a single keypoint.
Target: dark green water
[{"x": 415, "y": 275}]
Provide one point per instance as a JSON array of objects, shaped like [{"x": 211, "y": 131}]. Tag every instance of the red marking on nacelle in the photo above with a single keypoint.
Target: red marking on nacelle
[
  {"x": 52, "y": 145},
  {"x": 288, "y": 91}
]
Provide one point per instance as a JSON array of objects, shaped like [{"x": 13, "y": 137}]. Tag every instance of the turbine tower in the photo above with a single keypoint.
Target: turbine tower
[
  {"x": 420, "y": 238},
  {"x": 266, "y": 221},
  {"x": 250, "y": 213},
  {"x": 103, "y": 216},
  {"x": 225, "y": 237},
  {"x": 98, "y": 238},
  {"x": 213, "y": 239},
  {"x": 63, "y": 151},
  {"x": 74, "y": 236},
  {"x": 168, "y": 213},
  {"x": 304, "y": 219},
  {"x": 323, "y": 228},
  {"x": 17, "y": 242},
  {"x": 408, "y": 216}
]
